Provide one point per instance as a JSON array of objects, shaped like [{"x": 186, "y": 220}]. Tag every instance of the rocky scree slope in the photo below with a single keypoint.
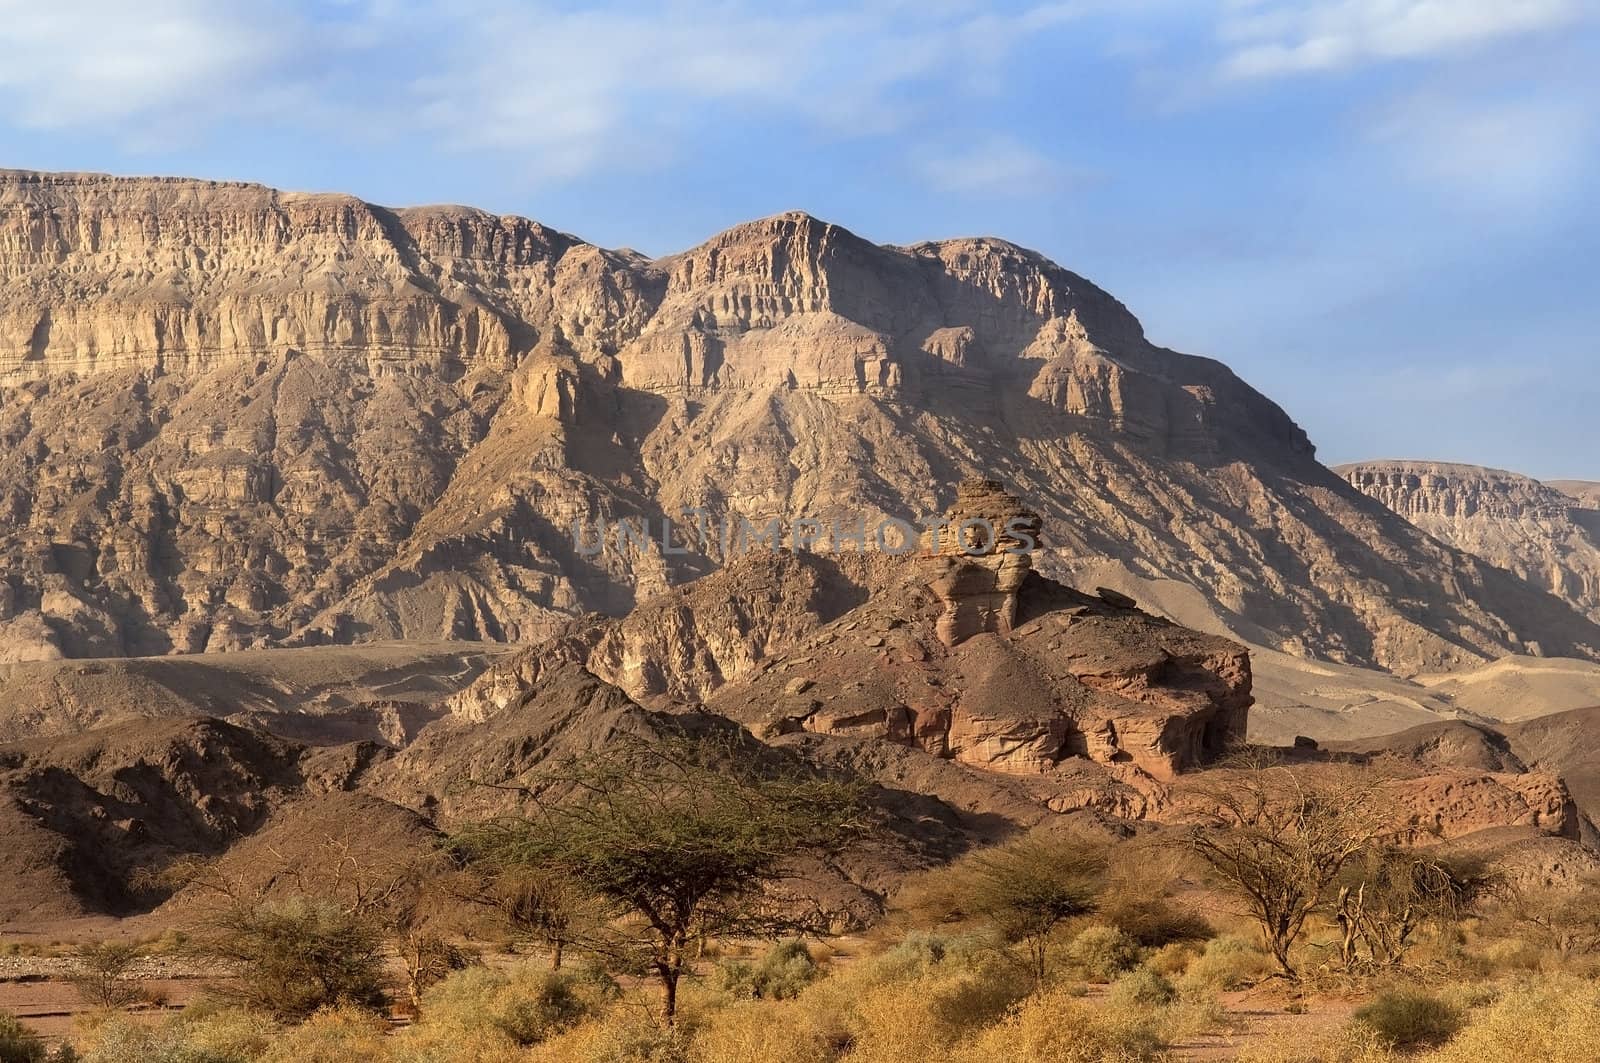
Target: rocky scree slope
[
  {"x": 1544, "y": 535},
  {"x": 234, "y": 417}
]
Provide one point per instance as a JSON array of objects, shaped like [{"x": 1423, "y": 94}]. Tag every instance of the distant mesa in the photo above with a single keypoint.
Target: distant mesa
[{"x": 1547, "y": 535}]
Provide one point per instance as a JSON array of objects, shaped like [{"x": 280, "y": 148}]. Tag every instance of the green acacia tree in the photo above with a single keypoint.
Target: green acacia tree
[
  {"x": 1029, "y": 887},
  {"x": 682, "y": 840}
]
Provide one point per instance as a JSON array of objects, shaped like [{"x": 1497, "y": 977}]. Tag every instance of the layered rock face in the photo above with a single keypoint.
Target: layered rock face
[
  {"x": 1587, "y": 492},
  {"x": 1546, "y": 536},
  {"x": 981, "y": 557},
  {"x": 234, "y": 417}
]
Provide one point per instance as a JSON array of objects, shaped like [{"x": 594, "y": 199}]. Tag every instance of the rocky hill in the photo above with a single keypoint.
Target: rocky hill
[
  {"x": 233, "y": 417},
  {"x": 971, "y": 695},
  {"x": 1549, "y": 537}
]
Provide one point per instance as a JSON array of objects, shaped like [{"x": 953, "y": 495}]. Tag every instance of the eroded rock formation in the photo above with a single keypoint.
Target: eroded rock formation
[
  {"x": 854, "y": 648},
  {"x": 234, "y": 417},
  {"x": 981, "y": 556},
  {"x": 1454, "y": 804}
]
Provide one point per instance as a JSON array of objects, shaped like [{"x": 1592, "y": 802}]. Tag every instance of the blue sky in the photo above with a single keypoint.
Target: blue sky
[{"x": 1380, "y": 212}]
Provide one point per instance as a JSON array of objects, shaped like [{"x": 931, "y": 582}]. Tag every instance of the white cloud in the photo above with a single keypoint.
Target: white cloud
[
  {"x": 559, "y": 89},
  {"x": 1510, "y": 155},
  {"x": 993, "y": 166},
  {"x": 575, "y": 89},
  {"x": 84, "y": 62},
  {"x": 1268, "y": 38}
]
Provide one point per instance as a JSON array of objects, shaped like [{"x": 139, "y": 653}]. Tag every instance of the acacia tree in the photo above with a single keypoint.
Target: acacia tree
[
  {"x": 681, "y": 839},
  {"x": 537, "y": 904},
  {"x": 309, "y": 930},
  {"x": 1278, "y": 839},
  {"x": 104, "y": 974},
  {"x": 1028, "y": 888},
  {"x": 289, "y": 958}
]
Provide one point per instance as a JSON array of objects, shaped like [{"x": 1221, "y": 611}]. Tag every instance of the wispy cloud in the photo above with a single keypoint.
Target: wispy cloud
[
  {"x": 558, "y": 89},
  {"x": 993, "y": 166},
  {"x": 1511, "y": 153},
  {"x": 614, "y": 84},
  {"x": 1267, "y": 38},
  {"x": 79, "y": 63}
]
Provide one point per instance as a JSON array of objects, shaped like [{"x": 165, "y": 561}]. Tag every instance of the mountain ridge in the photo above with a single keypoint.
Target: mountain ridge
[
  {"x": 1533, "y": 529},
  {"x": 236, "y": 417}
]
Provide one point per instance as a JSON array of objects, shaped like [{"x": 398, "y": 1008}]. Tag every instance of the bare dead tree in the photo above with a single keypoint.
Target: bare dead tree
[
  {"x": 1390, "y": 892},
  {"x": 1279, "y": 837}
]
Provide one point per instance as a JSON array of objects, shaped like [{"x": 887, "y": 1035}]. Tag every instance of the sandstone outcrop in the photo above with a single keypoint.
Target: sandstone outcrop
[
  {"x": 1587, "y": 492},
  {"x": 854, "y": 647},
  {"x": 233, "y": 417},
  {"x": 1454, "y": 804},
  {"x": 981, "y": 556}
]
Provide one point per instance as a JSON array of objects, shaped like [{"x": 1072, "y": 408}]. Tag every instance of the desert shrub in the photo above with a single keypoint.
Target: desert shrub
[
  {"x": 18, "y": 1044},
  {"x": 119, "y": 1040},
  {"x": 524, "y": 1004},
  {"x": 1154, "y": 921},
  {"x": 913, "y": 1020},
  {"x": 217, "y": 1033},
  {"x": 781, "y": 974},
  {"x": 1355, "y": 1043},
  {"x": 1511, "y": 954},
  {"x": 292, "y": 958},
  {"x": 918, "y": 953},
  {"x": 170, "y": 940},
  {"x": 626, "y": 1036},
  {"x": 332, "y": 1035},
  {"x": 203, "y": 1033},
  {"x": 104, "y": 975},
  {"x": 1408, "y": 1018},
  {"x": 1055, "y": 1027},
  {"x": 1104, "y": 952},
  {"x": 1228, "y": 962},
  {"x": 1174, "y": 958},
  {"x": 766, "y": 1032},
  {"x": 1553, "y": 1020},
  {"x": 1145, "y": 987}
]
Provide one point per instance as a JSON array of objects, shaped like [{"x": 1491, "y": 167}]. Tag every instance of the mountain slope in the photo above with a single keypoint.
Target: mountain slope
[
  {"x": 235, "y": 417},
  {"x": 1546, "y": 536}
]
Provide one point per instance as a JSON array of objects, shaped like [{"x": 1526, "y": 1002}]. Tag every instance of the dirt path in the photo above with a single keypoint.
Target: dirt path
[{"x": 1264, "y": 1020}]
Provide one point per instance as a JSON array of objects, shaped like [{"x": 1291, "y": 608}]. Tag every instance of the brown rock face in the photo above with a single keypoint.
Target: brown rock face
[
  {"x": 1549, "y": 537},
  {"x": 854, "y": 648},
  {"x": 1454, "y": 804},
  {"x": 981, "y": 557},
  {"x": 235, "y": 417}
]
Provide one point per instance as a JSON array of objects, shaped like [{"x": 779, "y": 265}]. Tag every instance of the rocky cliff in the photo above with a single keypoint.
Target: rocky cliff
[
  {"x": 1587, "y": 492},
  {"x": 1087, "y": 703},
  {"x": 235, "y": 417},
  {"x": 1545, "y": 535}
]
